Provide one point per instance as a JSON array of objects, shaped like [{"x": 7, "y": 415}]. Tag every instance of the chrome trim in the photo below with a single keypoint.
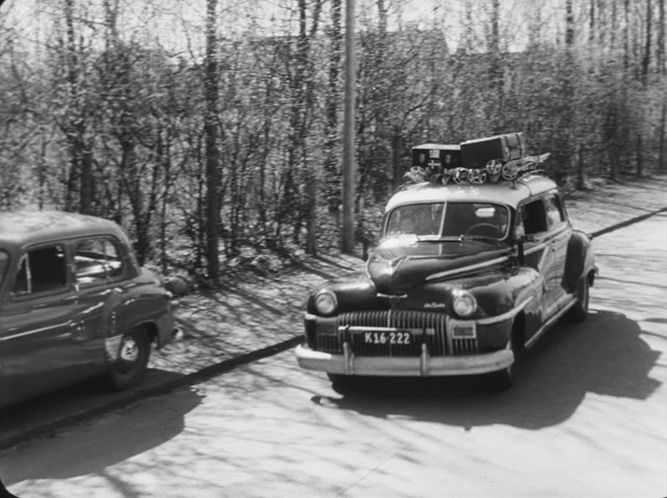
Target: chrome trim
[
  {"x": 424, "y": 360},
  {"x": 530, "y": 342},
  {"x": 538, "y": 247},
  {"x": 505, "y": 316},
  {"x": 37, "y": 331},
  {"x": 422, "y": 366},
  {"x": 112, "y": 347},
  {"x": 349, "y": 358},
  {"x": 392, "y": 296},
  {"x": 467, "y": 268},
  {"x": 362, "y": 328}
]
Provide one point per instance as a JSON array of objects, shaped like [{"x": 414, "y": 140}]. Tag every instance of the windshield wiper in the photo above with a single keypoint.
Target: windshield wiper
[{"x": 437, "y": 238}]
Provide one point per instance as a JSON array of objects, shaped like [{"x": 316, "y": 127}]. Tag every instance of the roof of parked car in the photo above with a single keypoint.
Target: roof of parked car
[
  {"x": 23, "y": 228},
  {"x": 507, "y": 193}
]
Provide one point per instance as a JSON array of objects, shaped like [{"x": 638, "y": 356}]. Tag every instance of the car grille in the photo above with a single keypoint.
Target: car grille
[{"x": 425, "y": 327}]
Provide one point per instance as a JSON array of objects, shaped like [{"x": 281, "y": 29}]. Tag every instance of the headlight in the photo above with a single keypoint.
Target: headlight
[
  {"x": 326, "y": 302},
  {"x": 464, "y": 303}
]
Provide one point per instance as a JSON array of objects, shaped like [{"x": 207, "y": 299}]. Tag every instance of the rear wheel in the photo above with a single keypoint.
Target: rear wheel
[
  {"x": 579, "y": 311},
  {"x": 130, "y": 365}
]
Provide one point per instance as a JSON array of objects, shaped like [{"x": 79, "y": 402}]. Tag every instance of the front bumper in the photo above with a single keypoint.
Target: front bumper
[{"x": 421, "y": 366}]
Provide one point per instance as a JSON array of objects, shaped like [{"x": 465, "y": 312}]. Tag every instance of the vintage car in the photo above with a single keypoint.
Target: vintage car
[
  {"x": 74, "y": 303},
  {"x": 466, "y": 277}
]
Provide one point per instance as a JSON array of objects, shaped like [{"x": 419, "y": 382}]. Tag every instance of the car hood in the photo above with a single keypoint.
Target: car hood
[{"x": 395, "y": 267}]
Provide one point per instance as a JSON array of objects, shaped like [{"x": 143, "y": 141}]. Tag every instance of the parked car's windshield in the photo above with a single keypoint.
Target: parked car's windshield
[
  {"x": 4, "y": 262},
  {"x": 451, "y": 219}
]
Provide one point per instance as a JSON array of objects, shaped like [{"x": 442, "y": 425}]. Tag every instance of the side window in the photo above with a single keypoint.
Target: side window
[
  {"x": 533, "y": 217},
  {"x": 554, "y": 208},
  {"x": 43, "y": 269},
  {"x": 97, "y": 261}
]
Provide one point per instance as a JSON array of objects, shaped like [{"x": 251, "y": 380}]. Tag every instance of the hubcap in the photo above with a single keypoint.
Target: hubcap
[{"x": 129, "y": 351}]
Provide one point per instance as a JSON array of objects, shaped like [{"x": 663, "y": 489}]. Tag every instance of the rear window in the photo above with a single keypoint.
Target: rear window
[{"x": 97, "y": 261}]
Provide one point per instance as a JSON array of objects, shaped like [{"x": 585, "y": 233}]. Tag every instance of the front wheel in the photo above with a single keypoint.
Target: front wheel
[
  {"x": 342, "y": 384},
  {"x": 501, "y": 380},
  {"x": 130, "y": 365},
  {"x": 579, "y": 311}
]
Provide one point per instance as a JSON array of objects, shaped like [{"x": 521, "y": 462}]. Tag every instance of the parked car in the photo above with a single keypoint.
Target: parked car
[
  {"x": 74, "y": 303},
  {"x": 465, "y": 278}
]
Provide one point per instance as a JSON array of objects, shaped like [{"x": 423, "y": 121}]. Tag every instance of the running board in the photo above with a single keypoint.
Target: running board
[{"x": 529, "y": 344}]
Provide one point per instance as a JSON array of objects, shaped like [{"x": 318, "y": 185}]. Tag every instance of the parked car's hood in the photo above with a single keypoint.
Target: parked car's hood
[{"x": 398, "y": 265}]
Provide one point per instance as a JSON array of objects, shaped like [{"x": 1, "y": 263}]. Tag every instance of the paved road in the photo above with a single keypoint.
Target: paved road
[{"x": 585, "y": 418}]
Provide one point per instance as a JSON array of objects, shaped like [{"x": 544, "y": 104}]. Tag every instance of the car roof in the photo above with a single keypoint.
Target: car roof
[
  {"x": 506, "y": 193},
  {"x": 23, "y": 228}
]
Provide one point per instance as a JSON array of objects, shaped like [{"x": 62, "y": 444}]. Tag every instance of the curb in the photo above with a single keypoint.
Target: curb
[
  {"x": 626, "y": 223},
  {"x": 125, "y": 399}
]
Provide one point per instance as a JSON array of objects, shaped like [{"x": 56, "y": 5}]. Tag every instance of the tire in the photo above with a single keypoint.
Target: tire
[
  {"x": 501, "y": 380},
  {"x": 342, "y": 384},
  {"x": 579, "y": 311},
  {"x": 130, "y": 366}
]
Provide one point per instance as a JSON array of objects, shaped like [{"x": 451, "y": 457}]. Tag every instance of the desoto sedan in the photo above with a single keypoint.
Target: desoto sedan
[{"x": 465, "y": 278}]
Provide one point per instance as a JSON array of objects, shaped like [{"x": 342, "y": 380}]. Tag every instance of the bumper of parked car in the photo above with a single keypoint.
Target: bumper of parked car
[{"x": 423, "y": 366}]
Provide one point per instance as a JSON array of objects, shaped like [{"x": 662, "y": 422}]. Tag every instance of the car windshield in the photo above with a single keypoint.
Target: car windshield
[{"x": 449, "y": 220}]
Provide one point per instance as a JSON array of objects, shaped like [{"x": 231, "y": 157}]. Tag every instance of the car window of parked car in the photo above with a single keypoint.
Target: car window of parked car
[
  {"x": 40, "y": 270},
  {"x": 554, "y": 209},
  {"x": 97, "y": 261}
]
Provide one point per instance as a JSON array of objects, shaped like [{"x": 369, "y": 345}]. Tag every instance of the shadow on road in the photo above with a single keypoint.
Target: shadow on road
[
  {"x": 604, "y": 355},
  {"x": 122, "y": 435},
  {"x": 53, "y": 411}
]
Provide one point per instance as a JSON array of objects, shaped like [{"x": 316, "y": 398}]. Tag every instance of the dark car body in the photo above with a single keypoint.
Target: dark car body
[
  {"x": 492, "y": 267},
  {"x": 74, "y": 303}
]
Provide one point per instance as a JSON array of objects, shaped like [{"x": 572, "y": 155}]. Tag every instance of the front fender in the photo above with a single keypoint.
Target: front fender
[{"x": 579, "y": 260}]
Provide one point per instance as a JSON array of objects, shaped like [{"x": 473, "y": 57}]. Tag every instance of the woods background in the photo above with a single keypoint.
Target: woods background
[{"x": 211, "y": 129}]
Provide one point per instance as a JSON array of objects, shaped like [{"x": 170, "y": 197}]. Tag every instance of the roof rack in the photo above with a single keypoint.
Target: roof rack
[{"x": 485, "y": 160}]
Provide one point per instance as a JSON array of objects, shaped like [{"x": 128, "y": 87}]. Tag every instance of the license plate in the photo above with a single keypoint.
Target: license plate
[{"x": 400, "y": 338}]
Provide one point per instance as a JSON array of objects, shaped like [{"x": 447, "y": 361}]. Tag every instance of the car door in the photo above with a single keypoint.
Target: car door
[
  {"x": 540, "y": 252},
  {"x": 100, "y": 276},
  {"x": 559, "y": 233},
  {"x": 41, "y": 335}
]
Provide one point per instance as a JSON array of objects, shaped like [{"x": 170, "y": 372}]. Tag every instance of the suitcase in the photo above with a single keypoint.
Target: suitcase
[
  {"x": 477, "y": 153},
  {"x": 436, "y": 156}
]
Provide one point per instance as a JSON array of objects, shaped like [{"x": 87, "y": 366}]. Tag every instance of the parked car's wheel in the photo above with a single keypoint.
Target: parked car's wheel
[
  {"x": 130, "y": 365},
  {"x": 579, "y": 311}
]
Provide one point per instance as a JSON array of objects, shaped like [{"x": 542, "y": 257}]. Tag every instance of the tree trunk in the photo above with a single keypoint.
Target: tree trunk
[
  {"x": 213, "y": 173},
  {"x": 331, "y": 170},
  {"x": 662, "y": 64},
  {"x": 640, "y": 157},
  {"x": 646, "y": 61},
  {"x": 662, "y": 163}
]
